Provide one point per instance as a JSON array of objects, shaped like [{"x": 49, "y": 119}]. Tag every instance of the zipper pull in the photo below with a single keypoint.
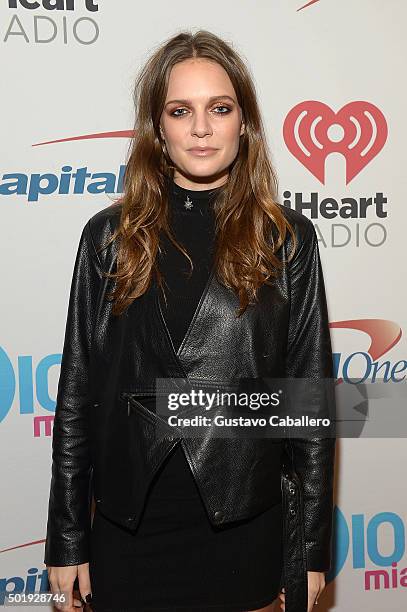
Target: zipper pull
[{"x": 128, "y": 407}]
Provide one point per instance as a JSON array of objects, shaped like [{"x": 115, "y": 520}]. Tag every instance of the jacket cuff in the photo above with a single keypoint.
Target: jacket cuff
[
  {"x": 318, "y": 559},
  {"x": 60, "y": 554}
]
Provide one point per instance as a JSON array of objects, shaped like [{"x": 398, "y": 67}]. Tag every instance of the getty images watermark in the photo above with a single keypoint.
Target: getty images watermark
[
  {"x": 275, "y": 408},
  {"x": 266, "y": 408}
]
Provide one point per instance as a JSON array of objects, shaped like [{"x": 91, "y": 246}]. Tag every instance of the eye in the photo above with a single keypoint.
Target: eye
[
  {"x": 226, "y": 110},
  {"x": 225, "y": 107},
  {"x": 173, "y": 114}
]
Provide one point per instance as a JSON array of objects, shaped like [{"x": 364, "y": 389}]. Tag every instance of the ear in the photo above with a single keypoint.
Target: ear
[
  {"x": 242, "y": 128},
  {"x": 161, "y": 132}
]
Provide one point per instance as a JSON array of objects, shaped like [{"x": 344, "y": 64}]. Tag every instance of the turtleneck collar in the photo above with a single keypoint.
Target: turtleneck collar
[
  {"x": 182, "y": 192},
  {"x": 191, "y": 201}
]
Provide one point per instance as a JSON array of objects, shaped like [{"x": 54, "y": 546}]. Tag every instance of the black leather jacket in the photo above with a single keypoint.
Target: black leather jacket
[{"x": 107, "y": 361}]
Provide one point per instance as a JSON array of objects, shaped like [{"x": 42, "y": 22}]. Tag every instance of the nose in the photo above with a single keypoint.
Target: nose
[{"x": 201, "y": 125}]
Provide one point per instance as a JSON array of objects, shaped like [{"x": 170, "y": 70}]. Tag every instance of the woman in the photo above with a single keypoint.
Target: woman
[{"x": 190, "y": 522}]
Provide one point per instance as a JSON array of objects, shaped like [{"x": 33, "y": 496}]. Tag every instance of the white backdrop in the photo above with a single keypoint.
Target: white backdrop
[{"x": 67, "y": 79}]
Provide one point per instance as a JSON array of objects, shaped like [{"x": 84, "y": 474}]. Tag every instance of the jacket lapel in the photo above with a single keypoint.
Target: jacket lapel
[{"x": 194, "y": 324}]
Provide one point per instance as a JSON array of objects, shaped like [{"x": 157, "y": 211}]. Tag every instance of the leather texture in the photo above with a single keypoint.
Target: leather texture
[{"x": 107, "y": 445}]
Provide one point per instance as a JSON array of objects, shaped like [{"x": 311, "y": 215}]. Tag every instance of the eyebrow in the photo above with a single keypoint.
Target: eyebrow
[{"x": 210, "y": 100}]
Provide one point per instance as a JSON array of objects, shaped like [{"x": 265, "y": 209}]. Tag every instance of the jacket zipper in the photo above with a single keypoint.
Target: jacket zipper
[{"x": 130, "y": 398}]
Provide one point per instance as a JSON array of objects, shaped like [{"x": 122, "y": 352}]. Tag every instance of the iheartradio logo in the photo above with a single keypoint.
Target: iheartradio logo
[{"x": 310, "y": 133}]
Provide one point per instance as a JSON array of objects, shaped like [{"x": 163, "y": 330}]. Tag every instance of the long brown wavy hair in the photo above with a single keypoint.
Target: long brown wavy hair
[{"x": 250, "y": 225}]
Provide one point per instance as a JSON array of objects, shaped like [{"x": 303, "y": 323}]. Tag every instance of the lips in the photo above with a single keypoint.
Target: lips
[{"x": 202, "y": 151}]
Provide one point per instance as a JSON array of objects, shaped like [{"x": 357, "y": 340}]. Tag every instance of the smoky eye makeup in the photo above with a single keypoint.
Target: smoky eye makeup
[{"x": 226, "y": 106}]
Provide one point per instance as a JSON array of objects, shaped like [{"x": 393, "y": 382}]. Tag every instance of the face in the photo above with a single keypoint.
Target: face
[{"x": 201, "y": 110}]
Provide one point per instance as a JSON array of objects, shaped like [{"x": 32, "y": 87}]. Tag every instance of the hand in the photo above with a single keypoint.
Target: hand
[
  {"x": 316, "y": 584},
  {"x": 61, "y": 579}
]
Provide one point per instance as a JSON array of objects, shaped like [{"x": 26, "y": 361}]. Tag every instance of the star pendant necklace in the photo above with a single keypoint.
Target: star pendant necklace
[{"x": 188, "y": 203}]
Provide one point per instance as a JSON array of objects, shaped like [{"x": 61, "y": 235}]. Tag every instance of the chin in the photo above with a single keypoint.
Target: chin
[{"x": 202, "y": 170}]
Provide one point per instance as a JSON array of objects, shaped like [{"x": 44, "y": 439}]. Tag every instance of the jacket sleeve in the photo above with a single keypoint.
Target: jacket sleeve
[
  {"x": 68, "y": 524},
  {"x": 309, "y": 356}
]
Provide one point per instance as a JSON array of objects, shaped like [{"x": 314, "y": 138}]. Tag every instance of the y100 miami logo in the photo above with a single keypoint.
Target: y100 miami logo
[
  {"x": 360, "y": 540},
  {"x": 28, "y": 379}
]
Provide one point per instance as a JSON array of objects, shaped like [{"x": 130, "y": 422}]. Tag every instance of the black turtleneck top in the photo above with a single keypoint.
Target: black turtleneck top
[{"x": 192, "y": 220}]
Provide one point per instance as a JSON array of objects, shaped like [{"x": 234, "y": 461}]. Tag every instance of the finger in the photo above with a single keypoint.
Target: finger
[
  {"x": 84, "y": 583},
  {"x": 77, "y": 598},
  {"x": 57, "y": 596},
  {"x": 312, "y": 598},
  {"x": 53, "y": 589},
  {"x": 66, "y": 596},
  {"x": 77, "y": 603}
]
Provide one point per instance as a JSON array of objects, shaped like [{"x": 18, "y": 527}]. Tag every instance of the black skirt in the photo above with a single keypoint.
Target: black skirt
[{"x": 176, "y": 560}]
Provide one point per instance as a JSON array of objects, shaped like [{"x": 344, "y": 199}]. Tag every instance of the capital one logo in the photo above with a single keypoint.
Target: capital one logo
[
  {"x": 307, "y": 5},
  {"x": 312, "y": 130}
]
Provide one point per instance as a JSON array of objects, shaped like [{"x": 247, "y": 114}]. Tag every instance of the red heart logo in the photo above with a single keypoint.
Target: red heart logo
[{"x": 305, "y": 133}]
